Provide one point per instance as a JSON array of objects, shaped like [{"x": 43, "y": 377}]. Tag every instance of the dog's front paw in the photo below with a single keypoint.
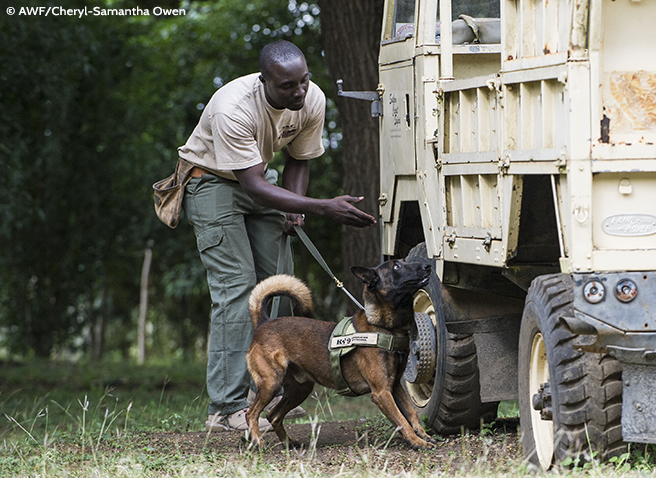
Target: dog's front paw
[
  {"x": 421, "y": 433},
  {"x": 421, "y": 444},
  {"x": 430, "y": 439}
]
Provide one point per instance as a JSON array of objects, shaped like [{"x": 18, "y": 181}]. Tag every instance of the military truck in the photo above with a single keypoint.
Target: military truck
[{"x": 518, "y": 157}]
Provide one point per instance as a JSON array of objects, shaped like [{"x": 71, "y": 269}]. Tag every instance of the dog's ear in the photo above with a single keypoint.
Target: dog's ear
[{"x": 368, "y": 276}]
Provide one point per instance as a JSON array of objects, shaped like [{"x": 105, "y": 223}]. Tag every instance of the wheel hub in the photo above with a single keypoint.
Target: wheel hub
[
  {"x": 543, "y": 432},
  {"x": 542, "y": 401},
  {"x": 421, "y": 358}
]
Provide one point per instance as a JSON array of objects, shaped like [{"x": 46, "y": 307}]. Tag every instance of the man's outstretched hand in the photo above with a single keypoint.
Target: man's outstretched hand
[{"x": 342, "y": 210}]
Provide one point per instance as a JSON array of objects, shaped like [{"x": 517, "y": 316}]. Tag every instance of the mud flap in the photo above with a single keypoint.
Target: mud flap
[{"x": 638, "y": 406}]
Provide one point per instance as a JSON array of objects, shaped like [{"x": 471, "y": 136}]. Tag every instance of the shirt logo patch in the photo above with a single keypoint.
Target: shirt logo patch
[{"x": 288, "y": 131}]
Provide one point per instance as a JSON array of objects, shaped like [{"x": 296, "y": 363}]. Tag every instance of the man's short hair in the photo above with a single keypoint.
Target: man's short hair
[{"x": 280, "y": 51}]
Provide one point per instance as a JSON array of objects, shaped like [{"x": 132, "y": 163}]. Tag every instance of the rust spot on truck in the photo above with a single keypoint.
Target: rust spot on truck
[{"x": 632, "y": 105}]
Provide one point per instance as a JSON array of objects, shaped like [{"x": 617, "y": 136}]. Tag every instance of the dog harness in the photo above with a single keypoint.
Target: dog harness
[{"x": 344, "y": 339}]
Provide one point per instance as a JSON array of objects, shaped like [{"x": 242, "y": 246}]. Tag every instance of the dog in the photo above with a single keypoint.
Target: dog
[{"x": 293, "y": 352}]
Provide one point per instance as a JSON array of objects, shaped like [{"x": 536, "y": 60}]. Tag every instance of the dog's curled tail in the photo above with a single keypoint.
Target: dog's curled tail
[{"x": 280, "y": 284}]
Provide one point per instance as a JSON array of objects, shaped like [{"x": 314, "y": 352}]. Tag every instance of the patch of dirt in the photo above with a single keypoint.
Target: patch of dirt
[{"x": 346, "y": 444}]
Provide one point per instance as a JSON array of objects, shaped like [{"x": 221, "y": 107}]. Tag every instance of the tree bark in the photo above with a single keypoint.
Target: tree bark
[
  {"x": 350, "y": 32},
  {"x": 143, "y": 304},
  {"x": 97, "y": 329}
]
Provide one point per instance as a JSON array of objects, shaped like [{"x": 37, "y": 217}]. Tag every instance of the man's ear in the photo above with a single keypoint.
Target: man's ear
[
  {"x": 368, "y": 276},
  {"x": 262, "y": 79}
]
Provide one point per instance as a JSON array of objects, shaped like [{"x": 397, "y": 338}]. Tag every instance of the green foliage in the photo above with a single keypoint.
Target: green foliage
[
  {"x": 67, "y": 195},
  {"x": 508, "y": 409},
  {"x": 640, "y": 458},
  {"x": 92, "y": 111}
]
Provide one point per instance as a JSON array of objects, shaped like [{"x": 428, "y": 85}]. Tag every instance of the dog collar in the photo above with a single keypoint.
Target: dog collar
[{"x": 344, "y": 339}]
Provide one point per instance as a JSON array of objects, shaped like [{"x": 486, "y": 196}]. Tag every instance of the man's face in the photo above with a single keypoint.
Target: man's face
[{"x": 286, "y": 85}]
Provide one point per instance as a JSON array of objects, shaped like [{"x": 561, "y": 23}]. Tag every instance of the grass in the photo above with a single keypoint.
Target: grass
[
  {"x": 48, "y": 400},
  {"x": 116, "y": 419},
  {"x": 49, "y": 408}
]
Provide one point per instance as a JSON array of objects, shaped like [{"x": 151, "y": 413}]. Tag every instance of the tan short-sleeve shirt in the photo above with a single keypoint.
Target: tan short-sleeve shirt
[{"x": 239, "y": 128}]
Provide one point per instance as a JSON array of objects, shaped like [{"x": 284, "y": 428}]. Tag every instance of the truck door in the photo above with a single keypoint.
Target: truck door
[{"x": 396, "y": 75}]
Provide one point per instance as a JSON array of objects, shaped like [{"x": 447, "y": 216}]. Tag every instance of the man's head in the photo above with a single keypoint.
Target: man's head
[{"x": 285, "y": 75}]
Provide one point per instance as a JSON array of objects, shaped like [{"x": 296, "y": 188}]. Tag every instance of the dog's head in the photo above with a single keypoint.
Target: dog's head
[{"x": 389, "y": 290}]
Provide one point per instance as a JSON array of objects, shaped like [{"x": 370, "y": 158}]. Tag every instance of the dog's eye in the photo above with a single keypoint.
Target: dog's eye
[{"x": 397, "y": 266}]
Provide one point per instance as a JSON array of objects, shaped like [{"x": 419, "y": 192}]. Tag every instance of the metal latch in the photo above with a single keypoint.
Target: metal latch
[
  {"x": 487, "y": 242},
  {"x": 373, "y": 96}
]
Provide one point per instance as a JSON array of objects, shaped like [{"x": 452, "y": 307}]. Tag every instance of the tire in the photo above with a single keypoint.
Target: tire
[
  {"x": 451, "y": 401},
  {"x": 584, "y": 389}
]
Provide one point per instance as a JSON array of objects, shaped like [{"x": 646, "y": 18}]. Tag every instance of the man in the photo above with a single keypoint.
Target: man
[{"x": 234, "y": 205}]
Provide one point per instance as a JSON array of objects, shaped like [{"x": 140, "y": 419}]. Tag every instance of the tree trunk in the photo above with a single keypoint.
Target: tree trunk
[
  {"x": 143, "y": 304},
  {"x": 98, "y": 324},
  {"x": 351, "y": 35}
]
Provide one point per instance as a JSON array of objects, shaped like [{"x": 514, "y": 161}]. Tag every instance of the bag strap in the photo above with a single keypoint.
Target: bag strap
[
  {"x": 471, "y": 23},
  {"x": 183, "y": 171}
]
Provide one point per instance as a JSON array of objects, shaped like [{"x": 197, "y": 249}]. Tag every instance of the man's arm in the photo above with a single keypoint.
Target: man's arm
[
  {"x": 295, "y": 178},
  {"x": 296, "y": 175},
  {"x": 340, "y": 208}
]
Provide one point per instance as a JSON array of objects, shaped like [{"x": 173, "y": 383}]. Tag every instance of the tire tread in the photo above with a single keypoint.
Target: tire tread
[
  {"x": 459, "y": 401},
  {"x": 589, "y": 385}
]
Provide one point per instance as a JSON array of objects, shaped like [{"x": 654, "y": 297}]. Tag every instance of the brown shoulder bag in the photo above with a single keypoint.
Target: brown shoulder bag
[{"x": 169, "y": 192}]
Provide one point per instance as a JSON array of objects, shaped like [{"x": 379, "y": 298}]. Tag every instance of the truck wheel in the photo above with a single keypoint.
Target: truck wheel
[
  {"x": 570, "y": 402},
  {"x": 449, "y": 401}
]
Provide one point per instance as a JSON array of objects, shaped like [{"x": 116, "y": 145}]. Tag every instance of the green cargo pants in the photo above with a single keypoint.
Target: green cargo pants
[{"x": 238, "y": 243}]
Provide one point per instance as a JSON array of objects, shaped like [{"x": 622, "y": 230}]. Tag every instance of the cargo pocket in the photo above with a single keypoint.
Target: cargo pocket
[{"x": 216, "y": 252}]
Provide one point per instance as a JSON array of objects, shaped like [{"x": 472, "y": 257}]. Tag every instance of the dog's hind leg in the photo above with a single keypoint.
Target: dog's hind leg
[
  {"x": 268, "y": 377},
  {"x": 294, "y": 393},
  {"x": 262, "y": 398}
]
